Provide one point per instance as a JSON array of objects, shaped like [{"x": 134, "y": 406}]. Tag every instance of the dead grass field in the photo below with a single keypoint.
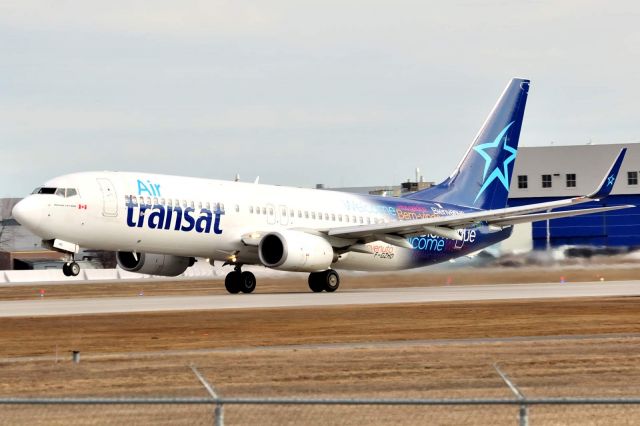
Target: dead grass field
[
  {"x": 568, "y": 347},
  {"x": 122, "y": 353}
]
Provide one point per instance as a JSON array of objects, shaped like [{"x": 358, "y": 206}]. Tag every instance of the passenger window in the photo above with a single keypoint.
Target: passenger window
[
  {"x": 71, "y": 192},
  {"x": 353, "y": 219},
  {"x": 208, "y": 205},
  {"x": 306, "y": 215},
  {"x": 222, "y": 207},
  {"x": 149, "y": 200},
  {"x": 169, "y": 202},
  {"x": 184, "y": 203},
  {"x": 291, "y": 213},
  {"x": 270, "y": 210},
  {"x": 326, "y": 216},
  {"x": 313, "y": 215},
  {"x": 134, "y": 199},
  {"x": 200, "y": 205},
  {"x": 60, "y": 192},
  {"x": 346, "y": 218},
  {"x": 368, "y": 221},
  {"x": 361, "y": 221},
  {"x": 264, "y": 210},
  {"x": 237, "y": 208},
  {"x": 339, "y": 218},
  {"x": 299, "y": 213},
  {"x": 250, "y": 209},
  {"x": 284, "y": 212},
  {"x": 192, "y": 204},
  {"x": 162, "y": 201},
  {"x": 155, "y": 201}
]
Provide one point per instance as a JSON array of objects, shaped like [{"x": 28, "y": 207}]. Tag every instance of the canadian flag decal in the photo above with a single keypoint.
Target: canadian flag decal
[{"x": 82, "y": 206}]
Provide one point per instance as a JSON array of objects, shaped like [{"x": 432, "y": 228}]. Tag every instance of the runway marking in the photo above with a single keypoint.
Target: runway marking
[{"x": 107, "y": 305}]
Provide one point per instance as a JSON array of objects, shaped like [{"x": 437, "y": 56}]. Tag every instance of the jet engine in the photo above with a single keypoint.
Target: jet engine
[
  {"x": 295, "y": 251},
  {"x": 153, "y": 264}
]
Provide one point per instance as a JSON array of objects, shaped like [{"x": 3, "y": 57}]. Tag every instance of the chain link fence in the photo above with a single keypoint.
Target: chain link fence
[{"x": 260, "y": 411}]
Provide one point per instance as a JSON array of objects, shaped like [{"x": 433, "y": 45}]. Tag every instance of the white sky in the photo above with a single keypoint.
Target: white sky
[{"x": 344, "y": 93}]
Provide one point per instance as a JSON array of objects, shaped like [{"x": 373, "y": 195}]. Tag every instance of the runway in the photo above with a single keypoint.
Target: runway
[{"x": 57, "y": 307}]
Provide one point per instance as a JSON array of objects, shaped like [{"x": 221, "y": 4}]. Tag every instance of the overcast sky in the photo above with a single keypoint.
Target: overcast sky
[{"x": 344, "y": 93}]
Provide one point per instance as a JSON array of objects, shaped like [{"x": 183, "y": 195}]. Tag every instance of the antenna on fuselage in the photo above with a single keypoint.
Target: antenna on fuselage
[
  {"x": 237, "y": 178},
  {"x": 257, "y": 181}
]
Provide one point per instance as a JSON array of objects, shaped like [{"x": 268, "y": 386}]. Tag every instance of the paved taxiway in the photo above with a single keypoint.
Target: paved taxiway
[{"x": 46, "y": 307}]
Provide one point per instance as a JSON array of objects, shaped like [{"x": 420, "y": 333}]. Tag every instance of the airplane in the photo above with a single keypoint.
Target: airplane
[{"x": 159, "y": 224}]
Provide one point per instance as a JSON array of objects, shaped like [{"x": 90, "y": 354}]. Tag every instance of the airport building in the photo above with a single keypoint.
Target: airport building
[{"x": 550, "y": 173}]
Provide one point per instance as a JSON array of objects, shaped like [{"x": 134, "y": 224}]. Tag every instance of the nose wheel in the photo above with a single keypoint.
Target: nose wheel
[{"x": 71, "y": 269}]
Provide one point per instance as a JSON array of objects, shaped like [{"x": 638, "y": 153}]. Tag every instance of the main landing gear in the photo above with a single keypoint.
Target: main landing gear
[
  {"x": 71, "y": 269},
  {"x": 328, "y": 280},
  {"x": 237, "y": 281}
]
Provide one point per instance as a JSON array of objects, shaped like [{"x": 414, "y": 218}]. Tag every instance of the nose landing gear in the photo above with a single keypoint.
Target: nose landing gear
[{"x": 71, "y": 269}]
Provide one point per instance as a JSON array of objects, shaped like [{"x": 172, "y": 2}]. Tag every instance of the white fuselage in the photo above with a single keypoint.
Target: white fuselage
[{"x": 105, "y": 214}]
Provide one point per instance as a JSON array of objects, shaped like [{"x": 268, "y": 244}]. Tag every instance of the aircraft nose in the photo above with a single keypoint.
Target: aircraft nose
[{"x": 28, "y": 213}]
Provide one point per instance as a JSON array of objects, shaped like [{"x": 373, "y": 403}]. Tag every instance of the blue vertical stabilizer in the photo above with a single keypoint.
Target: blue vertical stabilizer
[{"x": 483, "y": 176}]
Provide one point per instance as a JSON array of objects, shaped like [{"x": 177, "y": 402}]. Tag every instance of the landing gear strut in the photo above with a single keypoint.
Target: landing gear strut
[
  {"x": 237, "y": 281},
  {"x": 328, "y": 281}
]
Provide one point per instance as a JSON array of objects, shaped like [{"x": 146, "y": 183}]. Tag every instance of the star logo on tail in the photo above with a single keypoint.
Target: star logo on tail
[
  {"x": 500, "y": 172},
  {"x": 610, "y": 180}
]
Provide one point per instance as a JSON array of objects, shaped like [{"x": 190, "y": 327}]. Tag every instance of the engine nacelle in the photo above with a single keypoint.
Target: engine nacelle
[
  {"x": 295, "y": 251},
  {"x": 153, "y": 264}
]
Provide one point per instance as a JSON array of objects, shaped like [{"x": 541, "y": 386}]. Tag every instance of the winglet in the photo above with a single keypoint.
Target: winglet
[{"x": 609, "y": 179}]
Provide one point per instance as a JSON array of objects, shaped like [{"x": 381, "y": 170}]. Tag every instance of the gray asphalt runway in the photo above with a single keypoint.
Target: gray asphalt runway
[{"x": 48, "y": 307}]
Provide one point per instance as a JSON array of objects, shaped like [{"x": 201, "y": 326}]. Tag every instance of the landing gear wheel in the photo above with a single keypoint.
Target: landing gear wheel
[
  {"x": 247, "y": 282},
  {"x": 74, "y": 269},
  {"x": 232, "y": 282},
  {"x": 331, "y": 281},
  {"x": 316, "y": 281},
  {"x": 65, "y": 270}
]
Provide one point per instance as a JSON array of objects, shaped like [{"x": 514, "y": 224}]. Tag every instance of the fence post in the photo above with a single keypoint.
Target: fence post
[
  {"x": 218, "y": 412},
  {"x": 523, "y": 414}
]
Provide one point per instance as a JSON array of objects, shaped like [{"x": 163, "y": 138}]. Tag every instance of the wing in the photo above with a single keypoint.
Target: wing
[{"x": 447, "y": 226}]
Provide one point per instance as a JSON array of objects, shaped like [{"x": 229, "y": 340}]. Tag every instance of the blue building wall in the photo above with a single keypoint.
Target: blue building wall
[{"x": 620, "y": 228}]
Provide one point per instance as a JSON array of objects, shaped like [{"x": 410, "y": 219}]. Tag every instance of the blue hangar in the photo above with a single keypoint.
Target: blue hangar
[{"x": 549, "y": 173}]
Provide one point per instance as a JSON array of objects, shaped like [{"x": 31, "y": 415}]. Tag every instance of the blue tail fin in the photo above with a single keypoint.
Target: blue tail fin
[{"x": 483, "y": 176}]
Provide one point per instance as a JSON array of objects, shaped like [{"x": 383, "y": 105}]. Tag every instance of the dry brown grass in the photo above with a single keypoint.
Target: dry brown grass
[{"x": 271, "y": 352}]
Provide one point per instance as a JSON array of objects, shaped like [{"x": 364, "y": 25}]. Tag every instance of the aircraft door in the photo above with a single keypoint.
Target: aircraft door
[{"x": 109, "y": 197}]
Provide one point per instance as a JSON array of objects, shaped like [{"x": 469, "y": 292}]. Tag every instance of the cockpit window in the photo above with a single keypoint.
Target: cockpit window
[
  {"x": 44, "y": 190},
  {"x": 61, "y": 192}
]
